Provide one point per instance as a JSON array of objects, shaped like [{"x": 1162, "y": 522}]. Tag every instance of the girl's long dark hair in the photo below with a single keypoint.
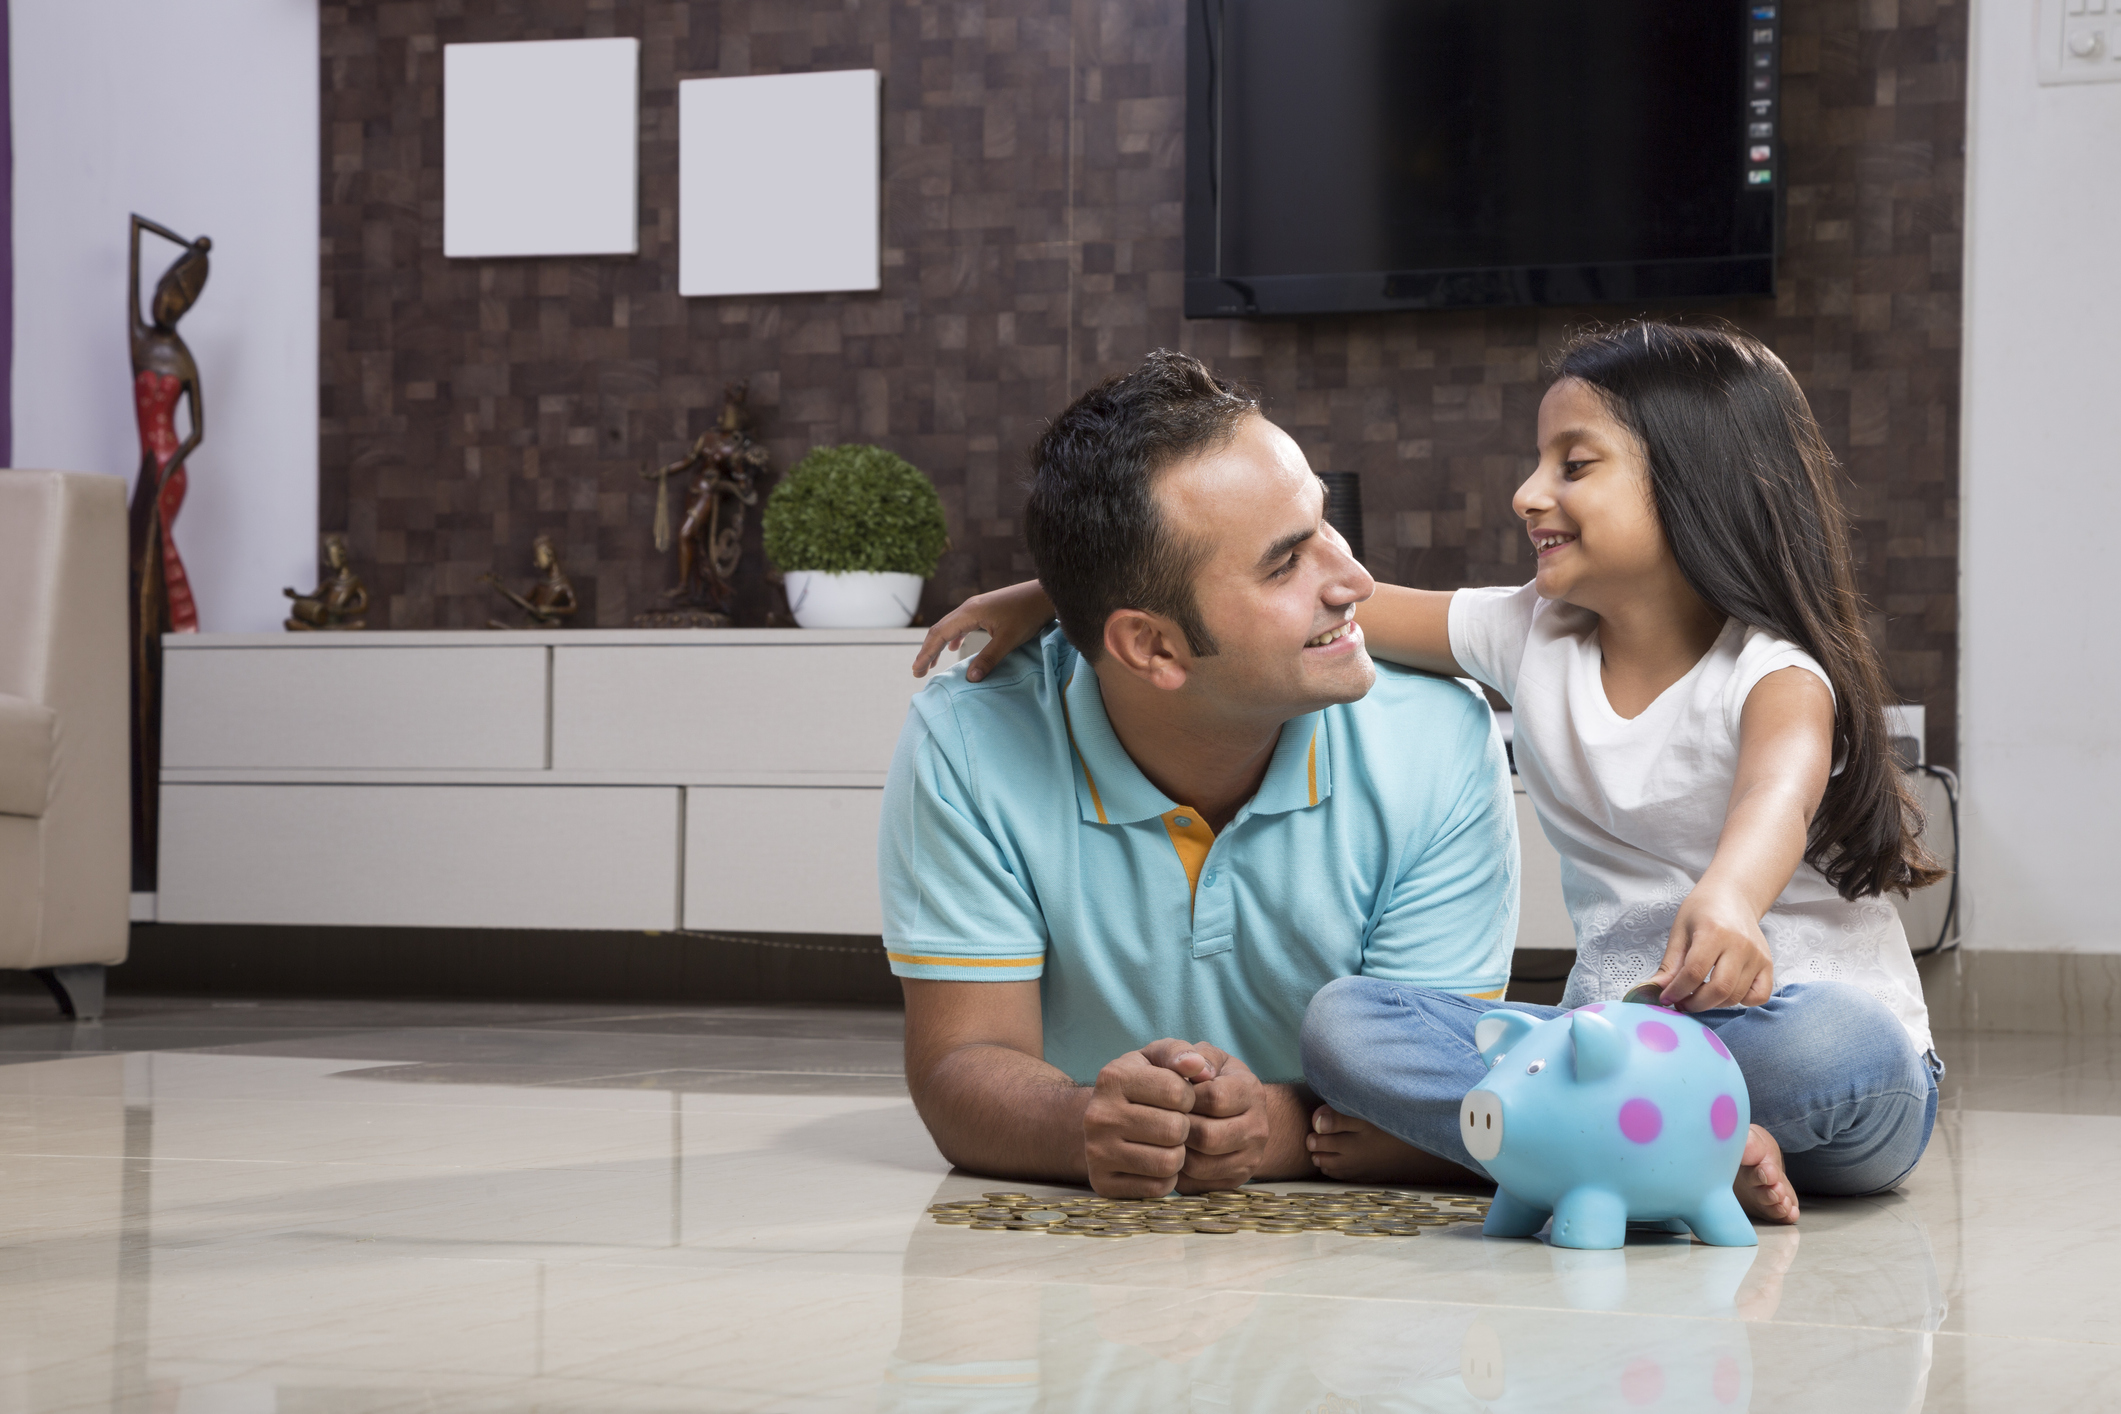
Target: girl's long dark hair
[{"x": 1745, "y": 488}]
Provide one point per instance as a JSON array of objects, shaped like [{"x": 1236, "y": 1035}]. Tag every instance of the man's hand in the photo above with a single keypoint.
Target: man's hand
[
  {"x": 1136, "y": 1123},
  {"x": 1175, "y": 1114},
  {"x": 1716, "y": 955},
  {"x": 1226, "y": 1143}
]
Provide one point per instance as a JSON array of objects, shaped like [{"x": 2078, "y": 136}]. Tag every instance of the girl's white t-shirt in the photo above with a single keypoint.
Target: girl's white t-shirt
[{"x": 1635, "y": 806}]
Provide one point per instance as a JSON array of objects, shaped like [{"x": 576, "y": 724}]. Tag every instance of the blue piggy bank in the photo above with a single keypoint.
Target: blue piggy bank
[{"x": 1610, "y": 1113}]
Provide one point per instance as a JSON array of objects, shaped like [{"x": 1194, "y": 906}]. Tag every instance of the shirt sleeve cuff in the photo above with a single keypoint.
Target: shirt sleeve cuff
[{"x": 914, "y": 960}]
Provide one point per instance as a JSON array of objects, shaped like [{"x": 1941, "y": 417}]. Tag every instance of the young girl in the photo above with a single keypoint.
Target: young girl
[{"x": 1699, "y": 723}]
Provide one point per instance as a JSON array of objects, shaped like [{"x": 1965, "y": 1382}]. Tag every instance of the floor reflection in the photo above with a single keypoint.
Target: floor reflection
[
  {"x": 129, "y": 1347},
  {"x": 586, "y": 1222},
  {"x": 1447, "y": 1322}
]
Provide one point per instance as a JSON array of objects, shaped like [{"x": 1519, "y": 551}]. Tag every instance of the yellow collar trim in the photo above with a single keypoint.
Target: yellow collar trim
[{"x": 1090, "y": 780}]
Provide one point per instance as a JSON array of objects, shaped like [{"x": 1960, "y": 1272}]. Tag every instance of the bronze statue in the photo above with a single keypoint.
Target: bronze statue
[
  {"x": 339, "y": 600},
  {"x": 161, "y": 598},
  {"x": 725, "y": 463},
  {"x": 550, "y": 602}
]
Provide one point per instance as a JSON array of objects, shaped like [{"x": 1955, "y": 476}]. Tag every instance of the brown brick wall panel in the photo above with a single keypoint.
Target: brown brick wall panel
[{"x": 1033, "y": 176}]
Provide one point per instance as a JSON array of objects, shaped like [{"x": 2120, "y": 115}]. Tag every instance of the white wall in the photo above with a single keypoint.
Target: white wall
[
  {"x": 201, "y": 115},
  {"x": 2040, "y": 675}
]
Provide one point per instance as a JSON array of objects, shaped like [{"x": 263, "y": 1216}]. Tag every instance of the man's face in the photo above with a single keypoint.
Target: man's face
[{"x": 1278, "y": 585}]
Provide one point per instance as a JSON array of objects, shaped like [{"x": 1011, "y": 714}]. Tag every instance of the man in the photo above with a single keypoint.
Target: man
[{"x": 1180, "y": 815}]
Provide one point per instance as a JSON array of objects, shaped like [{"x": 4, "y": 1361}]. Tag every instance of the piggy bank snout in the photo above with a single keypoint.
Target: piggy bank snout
[{"x": 1480, "y": 1123}]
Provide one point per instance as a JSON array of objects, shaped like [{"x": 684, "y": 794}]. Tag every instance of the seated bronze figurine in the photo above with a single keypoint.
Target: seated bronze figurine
[
  {"x": 550, "y": 602},
  {"x": 337, "y": 603}
]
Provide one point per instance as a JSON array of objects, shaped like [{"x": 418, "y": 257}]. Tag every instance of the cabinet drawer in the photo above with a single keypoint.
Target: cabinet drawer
[
  {"x": 340, "y": 707},
  {"x": 421, "y": 856},
  {"x": 790, "y": 860},
  {"x": 831, "y": 708}
]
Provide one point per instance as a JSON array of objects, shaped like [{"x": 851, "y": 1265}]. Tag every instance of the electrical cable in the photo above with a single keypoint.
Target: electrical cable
[
  {"x": 865, "y": 949},
  {"x": 1951, "y": 899}
]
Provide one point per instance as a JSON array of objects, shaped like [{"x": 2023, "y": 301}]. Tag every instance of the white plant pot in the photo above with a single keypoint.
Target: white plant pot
[{"x": 858, "y": 599}]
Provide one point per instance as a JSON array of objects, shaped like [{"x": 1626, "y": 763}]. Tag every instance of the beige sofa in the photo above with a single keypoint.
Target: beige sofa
[{"x": 65, "y": 810}]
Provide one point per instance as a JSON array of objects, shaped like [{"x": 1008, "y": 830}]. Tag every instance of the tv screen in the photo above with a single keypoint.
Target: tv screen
[{"x": 1432, "y": 154}]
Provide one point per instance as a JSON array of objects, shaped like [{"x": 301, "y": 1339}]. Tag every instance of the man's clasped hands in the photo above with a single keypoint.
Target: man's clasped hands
[{"x": 1175, "y": 1109}]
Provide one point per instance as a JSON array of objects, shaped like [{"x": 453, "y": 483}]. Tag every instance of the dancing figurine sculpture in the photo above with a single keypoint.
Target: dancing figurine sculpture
[
  {"x": 725, "y": 464},
  {"x": 161, "y": 600}
]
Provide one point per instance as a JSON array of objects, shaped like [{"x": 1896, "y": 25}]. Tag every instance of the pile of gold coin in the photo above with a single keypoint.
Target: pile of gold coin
[{"x": 1355, "y": 1212}]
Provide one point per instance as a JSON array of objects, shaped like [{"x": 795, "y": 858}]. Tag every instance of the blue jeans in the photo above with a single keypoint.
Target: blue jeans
[{"x": 1828, "y": 1067}]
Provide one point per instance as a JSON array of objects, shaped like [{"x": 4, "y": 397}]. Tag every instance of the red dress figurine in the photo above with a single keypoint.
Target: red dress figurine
[{"x": 163, "y": 373}]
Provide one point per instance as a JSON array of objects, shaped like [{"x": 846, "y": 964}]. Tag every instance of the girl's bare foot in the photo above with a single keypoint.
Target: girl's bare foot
[
  {"x": 1762, "y": 1187},
  {"x": 1352, "y": 1150},
  {"x": 1760, "y": 1294}
]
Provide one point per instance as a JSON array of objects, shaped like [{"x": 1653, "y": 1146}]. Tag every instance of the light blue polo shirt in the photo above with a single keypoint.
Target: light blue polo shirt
[{"x": 1020, "y": 841}]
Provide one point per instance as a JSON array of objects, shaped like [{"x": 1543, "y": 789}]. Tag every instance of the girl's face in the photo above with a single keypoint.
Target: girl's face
[{"x": 1587, "y": 506}]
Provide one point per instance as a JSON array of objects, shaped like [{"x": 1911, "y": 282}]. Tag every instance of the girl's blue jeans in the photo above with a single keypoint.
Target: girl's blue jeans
[{"x": 1828, "y": 1067}]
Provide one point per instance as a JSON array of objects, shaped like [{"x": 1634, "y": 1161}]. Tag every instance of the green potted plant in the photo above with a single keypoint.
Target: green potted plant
[{"x": 854, "y": 531}]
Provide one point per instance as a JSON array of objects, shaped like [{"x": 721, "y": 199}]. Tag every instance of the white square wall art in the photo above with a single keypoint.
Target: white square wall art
[
  {"x": 778, "y": 184},
  {"x": 540, "y": 147}
]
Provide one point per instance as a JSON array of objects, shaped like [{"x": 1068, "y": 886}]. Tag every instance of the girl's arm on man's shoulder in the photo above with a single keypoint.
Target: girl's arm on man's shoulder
[
  {"x": 1009, "y": 617},
  {"x": 1411, "y": 627}
]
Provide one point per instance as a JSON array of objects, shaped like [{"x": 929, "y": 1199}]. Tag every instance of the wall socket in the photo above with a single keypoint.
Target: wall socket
[
  {"x": 2079, "y": 41},
  {"x": 1906, "y": 727}
]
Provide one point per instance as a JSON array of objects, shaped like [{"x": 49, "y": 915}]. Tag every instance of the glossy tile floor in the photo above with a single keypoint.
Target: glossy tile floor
[{"x": 353, "y": 1208}]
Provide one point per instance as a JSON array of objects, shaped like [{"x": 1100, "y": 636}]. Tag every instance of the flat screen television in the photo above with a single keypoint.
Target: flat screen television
[{"x": 1346, "y": 155}]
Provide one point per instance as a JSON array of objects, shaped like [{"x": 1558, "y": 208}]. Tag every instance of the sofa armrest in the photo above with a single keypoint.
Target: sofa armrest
[{"x": 28, "y": 733}]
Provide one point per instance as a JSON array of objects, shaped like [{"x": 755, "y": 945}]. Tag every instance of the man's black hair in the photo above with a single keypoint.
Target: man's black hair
[{"x": 1097, "y": 534}]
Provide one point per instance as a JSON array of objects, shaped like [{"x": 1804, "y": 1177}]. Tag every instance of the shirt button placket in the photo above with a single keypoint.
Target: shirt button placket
[{"x": 1213, "y": 914}]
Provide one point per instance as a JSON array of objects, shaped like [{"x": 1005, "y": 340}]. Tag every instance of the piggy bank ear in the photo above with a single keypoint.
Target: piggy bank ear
[
  {"x": 1498, "y": 1031},
  {"x": 1600, "y": 1048}
]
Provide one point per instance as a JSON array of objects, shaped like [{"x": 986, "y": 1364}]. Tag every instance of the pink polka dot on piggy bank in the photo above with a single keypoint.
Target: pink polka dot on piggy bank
[
  {"x": 1729, "y": 1380},
  {"x": 1657, "y": 1036},
  {"x": 1723, "y": 1116},
  {"x": 1641, "y": 1120},
  {"x": 1642, "y": 1382}
]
